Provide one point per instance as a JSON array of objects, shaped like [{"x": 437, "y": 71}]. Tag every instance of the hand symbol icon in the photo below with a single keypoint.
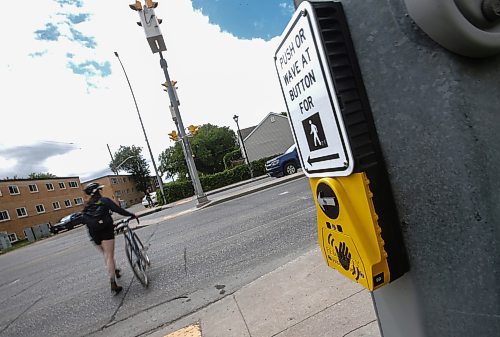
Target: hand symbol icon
[{"x": 343, "y": 255}]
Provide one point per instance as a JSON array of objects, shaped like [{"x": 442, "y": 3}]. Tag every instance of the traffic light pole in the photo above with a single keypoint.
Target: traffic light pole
[{"x": 200, "y": 195}]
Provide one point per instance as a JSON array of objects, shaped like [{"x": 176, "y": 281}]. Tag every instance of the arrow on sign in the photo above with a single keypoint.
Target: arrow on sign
[
  {"x": 318, "y": 159},
  {"x": 326, "y": 201}
]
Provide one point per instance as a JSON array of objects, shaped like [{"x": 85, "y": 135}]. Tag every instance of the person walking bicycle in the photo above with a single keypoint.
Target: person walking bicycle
[{"x": 97, "y": 217}]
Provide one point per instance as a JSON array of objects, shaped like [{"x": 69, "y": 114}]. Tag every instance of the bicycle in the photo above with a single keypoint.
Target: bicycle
[{"x": 135, "y": 251}]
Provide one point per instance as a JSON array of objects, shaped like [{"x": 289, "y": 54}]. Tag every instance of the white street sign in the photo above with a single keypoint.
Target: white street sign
[{"x": 313, "y": 109}]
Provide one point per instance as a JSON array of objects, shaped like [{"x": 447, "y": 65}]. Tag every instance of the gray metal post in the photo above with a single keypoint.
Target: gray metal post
[
  {"x": 243, "y": 145},
  {"x": 112, "y": 160},
  {"x": 158, "y": 178},
  {"x": 436, "y": 115},
  {"x": 200, "y": 195}
]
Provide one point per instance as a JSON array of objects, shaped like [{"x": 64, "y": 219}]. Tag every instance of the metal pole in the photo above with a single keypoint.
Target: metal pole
[
  {"x": 202, "y": 198},
  {"x": 112, "y": 160},
  {"x": 244, "y": 148},
  {"x": 158, "y": 178}
]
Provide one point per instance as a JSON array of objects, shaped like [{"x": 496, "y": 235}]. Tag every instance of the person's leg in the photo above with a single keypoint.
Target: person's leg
[{"x": 108, "y": 247}]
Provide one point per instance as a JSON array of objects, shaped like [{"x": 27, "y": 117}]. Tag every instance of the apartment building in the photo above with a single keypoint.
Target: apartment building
[
  {"x": 28, "y": 202},
  {"x": 119, "y": 188}
]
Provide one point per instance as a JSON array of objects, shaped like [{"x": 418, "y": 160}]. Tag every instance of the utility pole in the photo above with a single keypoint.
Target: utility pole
[
  {"x": 151, "y": 23},
  {"x": 112, "y": 160},
  {"x": 158, "y": 178}
]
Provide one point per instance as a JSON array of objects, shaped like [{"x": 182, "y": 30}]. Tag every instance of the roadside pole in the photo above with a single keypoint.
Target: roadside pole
[
  {"x": 151, "y": 23},
  {"x": 176, "y": 117}
]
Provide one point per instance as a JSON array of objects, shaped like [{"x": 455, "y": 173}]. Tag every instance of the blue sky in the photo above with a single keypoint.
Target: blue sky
[
  {"x": 60, "y": 75},
  {"x": 248, "y": 19}
]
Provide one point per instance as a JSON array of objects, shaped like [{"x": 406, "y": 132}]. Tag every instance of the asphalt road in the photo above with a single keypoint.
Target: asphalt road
[{"x": 58, "y": 287}]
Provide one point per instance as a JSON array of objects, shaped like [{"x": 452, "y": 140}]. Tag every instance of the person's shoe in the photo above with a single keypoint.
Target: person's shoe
[
  {"x": 115, "y": 288},
  {"x": 117, "y": 273}
]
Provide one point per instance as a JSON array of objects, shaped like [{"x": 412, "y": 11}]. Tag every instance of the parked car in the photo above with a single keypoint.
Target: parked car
[
  {"x": 287, "y": 163},
  {"x": 67, "y": 223},
  {"x": 154, "y": 201}
]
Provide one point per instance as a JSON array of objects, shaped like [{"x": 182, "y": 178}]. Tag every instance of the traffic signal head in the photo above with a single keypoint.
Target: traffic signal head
[
  {"x": 137, "y": 6},
  {"x": 193, "y": 130},
  {"x": 151, "y": 4},
  {"x": 166, "y": 85},
  {"x": 173, "y": 136}
]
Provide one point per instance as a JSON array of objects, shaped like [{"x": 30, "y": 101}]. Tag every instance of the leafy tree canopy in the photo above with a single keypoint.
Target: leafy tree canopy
[
  {"x": 209, "y": 146},
  {"x": 33, "y": 176},
  {"x": 130, "y": 160},
  {"x": 45, "y": 175}
]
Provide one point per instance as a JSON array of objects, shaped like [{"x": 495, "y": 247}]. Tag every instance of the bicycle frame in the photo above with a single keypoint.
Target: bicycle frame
[{"x": 135, "y": 251}]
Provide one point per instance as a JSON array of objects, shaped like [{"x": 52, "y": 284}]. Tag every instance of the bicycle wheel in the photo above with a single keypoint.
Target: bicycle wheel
[
  {"x": 142, "y": 250},
  {"x": 135, "y": 258}
]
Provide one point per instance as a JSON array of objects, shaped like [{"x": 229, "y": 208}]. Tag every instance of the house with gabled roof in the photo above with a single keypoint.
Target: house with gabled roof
[{"x": 272, "y": 136}]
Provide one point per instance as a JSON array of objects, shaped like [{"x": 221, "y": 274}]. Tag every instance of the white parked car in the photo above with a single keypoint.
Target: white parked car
[{"x": 145, "y": 202}]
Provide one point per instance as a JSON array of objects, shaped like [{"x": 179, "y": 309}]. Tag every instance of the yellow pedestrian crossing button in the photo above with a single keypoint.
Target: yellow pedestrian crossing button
[{"x": 348, "y": 231}]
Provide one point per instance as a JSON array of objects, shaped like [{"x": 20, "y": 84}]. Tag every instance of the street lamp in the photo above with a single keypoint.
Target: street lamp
[
  {"x": 117, "y": 168},
  {"x": 158, "y": 178},
  {"x": 235, "y": 117}
]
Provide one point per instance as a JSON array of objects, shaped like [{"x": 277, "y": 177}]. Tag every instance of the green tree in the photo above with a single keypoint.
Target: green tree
[
  {"x": 173, "y": 163},
  {"x": 130, "y": 160},
  {"x": 34, "y": 175},
  {"x": 209, "y": 146}
]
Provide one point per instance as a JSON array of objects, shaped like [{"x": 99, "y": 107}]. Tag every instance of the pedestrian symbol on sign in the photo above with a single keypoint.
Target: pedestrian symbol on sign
[{"x": 315, "y": 133}]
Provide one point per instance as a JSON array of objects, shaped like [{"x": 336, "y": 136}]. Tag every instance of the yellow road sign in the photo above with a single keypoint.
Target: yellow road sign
[{"x": 348, "y": 231}]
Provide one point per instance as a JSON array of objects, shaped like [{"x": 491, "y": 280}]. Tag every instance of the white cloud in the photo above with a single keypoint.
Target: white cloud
[
  {"x": 6, "y": 163},
  {"x": 218, "y": 76}
]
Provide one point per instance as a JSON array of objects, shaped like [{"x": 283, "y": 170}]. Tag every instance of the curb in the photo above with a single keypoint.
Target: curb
[
  {"x": 253, "y": 190},
  {"x": 238, "y": 184}
]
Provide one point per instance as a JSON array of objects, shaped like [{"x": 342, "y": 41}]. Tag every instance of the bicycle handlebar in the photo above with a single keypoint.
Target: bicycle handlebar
[{"x": 124, "y": 222}]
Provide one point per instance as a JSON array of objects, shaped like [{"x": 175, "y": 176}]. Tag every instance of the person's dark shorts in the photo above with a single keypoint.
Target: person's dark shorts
[{"x": 107, "y": 233}]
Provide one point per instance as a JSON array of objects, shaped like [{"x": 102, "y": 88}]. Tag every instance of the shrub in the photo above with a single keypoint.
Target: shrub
[
  {"x": 231, "y": 157},
  {"x": 178, "y": 190}
]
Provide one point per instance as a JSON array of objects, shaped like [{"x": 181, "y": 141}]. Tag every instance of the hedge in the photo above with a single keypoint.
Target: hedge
[
  {"x": 178, "y": 190},
  {"x": 231, "y": 157}
]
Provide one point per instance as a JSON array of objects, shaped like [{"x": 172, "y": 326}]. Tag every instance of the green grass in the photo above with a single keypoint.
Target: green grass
[{"x": 16, "y": 245}]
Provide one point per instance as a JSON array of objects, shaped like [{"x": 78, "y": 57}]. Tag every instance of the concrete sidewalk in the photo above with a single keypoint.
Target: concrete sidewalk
[{"x": 303, "y": 298}]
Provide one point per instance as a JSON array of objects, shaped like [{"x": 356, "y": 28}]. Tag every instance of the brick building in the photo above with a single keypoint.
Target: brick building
[
  {"x": 119, "y": 188},
  {"x": 28, "y": 202}
]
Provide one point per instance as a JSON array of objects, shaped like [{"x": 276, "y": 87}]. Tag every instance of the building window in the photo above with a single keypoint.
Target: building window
[
  {"x": 33, "y": 188},
  {"x": 62, "y": 186},
  {"x": 50, "y": 187},
  {"x": 12, "y": 237},
  {"x": 118, "y": 193},
  {"x": 0, "y": 193},
  {"x": 73, "y": 184},
  {"x": 40, "y": 209},
  {"x": 56, "y": 205},
  {"x": 67, "y": 203},
  {"x": 78, "y": 201},
  {"x": 21, "y": 212},
  {"x": 4, "y": 216},
  {"x": 13, "y": 189},
  {"x": 114, "y": 181}
]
